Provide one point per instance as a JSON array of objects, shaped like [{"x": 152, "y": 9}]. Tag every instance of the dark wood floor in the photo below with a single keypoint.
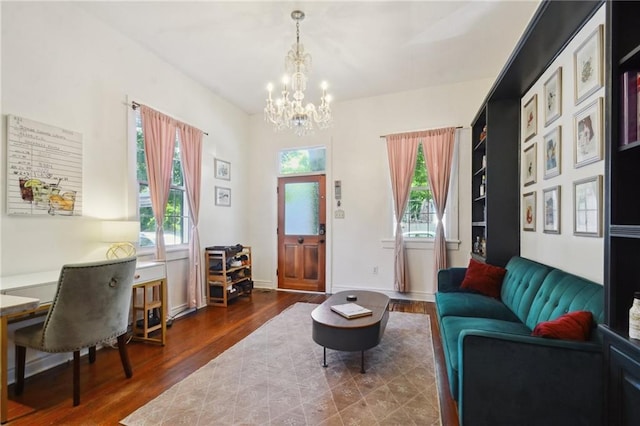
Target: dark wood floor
[{"x": 192, "y": 341}]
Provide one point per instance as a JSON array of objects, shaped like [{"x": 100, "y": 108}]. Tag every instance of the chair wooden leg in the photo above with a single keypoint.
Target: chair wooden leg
[
  {"x": 124, "y": 356},
  {"x": 76, "y": 378},
  {"x": 21, "y": 354},
  {"x": 92, "y": 354}
]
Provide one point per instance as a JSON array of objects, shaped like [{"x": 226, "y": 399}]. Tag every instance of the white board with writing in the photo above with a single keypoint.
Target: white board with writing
[{"x": 44, "y": 169}]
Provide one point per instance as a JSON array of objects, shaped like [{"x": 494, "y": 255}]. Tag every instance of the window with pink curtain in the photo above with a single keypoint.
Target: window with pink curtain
[
  {"x": 419, "y": 187},
  {"x": 176, "y": 215}
]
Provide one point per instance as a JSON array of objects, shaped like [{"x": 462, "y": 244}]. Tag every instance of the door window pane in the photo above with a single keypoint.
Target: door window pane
[{"x": 301, "y": 209}]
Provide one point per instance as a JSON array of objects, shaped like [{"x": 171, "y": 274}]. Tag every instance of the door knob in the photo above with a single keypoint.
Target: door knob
[{"x": 300, "y": 240}]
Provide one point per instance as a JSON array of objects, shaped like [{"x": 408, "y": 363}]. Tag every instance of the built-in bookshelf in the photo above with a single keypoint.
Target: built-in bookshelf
[
  {"x": 495, "y": 179},
  {"x": 622, "y": 211},
  {"x": 496, "y": 214}
]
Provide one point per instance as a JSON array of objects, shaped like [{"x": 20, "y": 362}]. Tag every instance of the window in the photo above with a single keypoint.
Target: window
[
  {"x": 303, "y": 160},
  {"x": 176, "y": 215},
  {"x": 419, "y": 220}
]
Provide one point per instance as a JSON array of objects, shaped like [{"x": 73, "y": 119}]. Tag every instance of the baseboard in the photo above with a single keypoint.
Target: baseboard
[{"x": 418, "y": 296}]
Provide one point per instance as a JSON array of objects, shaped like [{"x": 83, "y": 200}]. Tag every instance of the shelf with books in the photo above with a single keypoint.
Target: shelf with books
[{"x": 622, "y": 210}]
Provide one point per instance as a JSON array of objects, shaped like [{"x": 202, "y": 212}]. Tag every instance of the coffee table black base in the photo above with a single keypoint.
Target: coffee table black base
[{"x": 325, "y": 365}]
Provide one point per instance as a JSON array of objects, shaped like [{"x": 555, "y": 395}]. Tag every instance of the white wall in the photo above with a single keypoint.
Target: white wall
[
  {"x": 357, "y": 157},
  {"x": 583, "y": 256},
  {"x": 62, "y": 67}
]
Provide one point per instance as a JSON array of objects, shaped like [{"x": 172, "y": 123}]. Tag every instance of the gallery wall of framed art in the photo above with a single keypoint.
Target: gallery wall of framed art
[{"x": 561, "y": 154}]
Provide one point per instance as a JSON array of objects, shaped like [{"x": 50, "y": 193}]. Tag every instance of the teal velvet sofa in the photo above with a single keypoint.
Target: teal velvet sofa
[{"x": 502, "y": 375}]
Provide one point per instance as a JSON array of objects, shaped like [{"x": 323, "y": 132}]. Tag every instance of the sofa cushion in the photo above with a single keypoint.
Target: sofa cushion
[
  {"x": 520, "y": 285},
  {"x": 450, "y": 329},
  {"x": 483, "y": 278},
  {"x": 562, "y": 292},
  {"x": 462, "y": 304},
  {"x": 571, "y": 326}
]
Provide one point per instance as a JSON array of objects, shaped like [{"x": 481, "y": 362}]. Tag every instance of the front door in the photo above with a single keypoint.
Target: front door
[{"x": 301, "y": 233}]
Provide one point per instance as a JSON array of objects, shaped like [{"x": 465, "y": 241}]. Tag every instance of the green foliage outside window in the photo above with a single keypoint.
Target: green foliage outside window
[
  {"x": 305, "y": 160},
  {"x": 419, "y": 217}
]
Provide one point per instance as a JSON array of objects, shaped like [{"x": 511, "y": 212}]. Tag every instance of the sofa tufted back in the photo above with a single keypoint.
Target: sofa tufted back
[
  {"x": 521, "y": 284},
  {"x": 562, "y": 292}
]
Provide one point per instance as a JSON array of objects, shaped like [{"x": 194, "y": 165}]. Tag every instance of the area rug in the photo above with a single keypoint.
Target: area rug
[{"x": 275, "y": 377}]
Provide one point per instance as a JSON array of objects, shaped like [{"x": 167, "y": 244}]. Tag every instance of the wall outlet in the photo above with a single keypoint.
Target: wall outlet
[
  {"x": 375, "y": 270},
  {"x": 339, "y": 214}
]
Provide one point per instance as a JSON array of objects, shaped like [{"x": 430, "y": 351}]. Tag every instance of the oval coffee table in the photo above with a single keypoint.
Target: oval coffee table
[{"x": 332, "y": 330}]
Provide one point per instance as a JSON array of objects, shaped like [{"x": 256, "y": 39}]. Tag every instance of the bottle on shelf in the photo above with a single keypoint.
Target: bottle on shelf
[
  {"x": 483, "y": 247},
  {"x": 482, "y": 186},
  {"x": 634, "y": 317},
  {"x": 484, "y": 161},
  {"x": 476, "y": 245}
]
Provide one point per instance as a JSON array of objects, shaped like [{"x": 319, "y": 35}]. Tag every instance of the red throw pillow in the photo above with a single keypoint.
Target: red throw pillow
[
  {"x": 484, "y": 278},
  {"x": 571, "y": 326}
]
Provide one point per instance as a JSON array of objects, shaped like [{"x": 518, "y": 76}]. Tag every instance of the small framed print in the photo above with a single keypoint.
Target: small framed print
[
  {"x": 553, "y": 97},
  {"x": 222, "y": 169},
  {"x": 551, "y": 210},
  {"x": 587, "y": 64},
  {"x": 552, "y": 153},
  {"x": 529, "y": 165},
  {"x": 223, "y": 196},
  {"x": 529, "y": 211},
  {"x": 587, "y": 207},
  {"x": 587, "y": 147},
  {"x": 530, "y": 118}
]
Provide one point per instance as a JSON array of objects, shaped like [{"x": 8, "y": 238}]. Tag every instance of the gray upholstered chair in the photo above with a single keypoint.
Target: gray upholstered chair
[{"x": 91, "y": 306}]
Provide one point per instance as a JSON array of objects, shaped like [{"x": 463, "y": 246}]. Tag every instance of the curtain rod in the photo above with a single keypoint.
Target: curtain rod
[
  {"x": 414, "y": 131},
  {"x": 135, "y": 105}
]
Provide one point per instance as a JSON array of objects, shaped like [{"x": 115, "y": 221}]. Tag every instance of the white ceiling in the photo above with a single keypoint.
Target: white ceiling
[{"x": 360, "y": 48}]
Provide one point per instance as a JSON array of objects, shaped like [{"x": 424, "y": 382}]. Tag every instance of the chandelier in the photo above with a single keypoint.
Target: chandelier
[{"x": 288, "y": 112}]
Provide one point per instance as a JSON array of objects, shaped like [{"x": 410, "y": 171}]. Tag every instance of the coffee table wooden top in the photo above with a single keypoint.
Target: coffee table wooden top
[{"x": 377, "y": 302}]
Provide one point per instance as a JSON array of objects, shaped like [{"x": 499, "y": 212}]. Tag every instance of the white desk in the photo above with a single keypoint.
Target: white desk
[{"x": 23, "y": 294}]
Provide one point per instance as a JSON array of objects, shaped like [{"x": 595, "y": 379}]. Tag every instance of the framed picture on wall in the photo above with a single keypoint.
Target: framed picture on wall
[
  {"x": 551, "y": 210},
  {"x": 529, "y": 165},
  {"x": 552, "y": 153},
  {"x": 222, "y": 169},
  {"x": 553, "y": 97},
  {"x": 530, "y": 118},
  {"x": 587, "y": 207},
  {"x": 529, "y": 211},
  {"x": 587, "y": 65},
  {"x": 223, "y": 196},
  {"x": 587, "y": 147}
]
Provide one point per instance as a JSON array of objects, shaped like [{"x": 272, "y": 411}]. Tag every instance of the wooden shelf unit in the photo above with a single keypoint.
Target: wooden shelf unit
[
  {"x": 226, "y": 282},
  {"x": 148, "y": 304}
]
